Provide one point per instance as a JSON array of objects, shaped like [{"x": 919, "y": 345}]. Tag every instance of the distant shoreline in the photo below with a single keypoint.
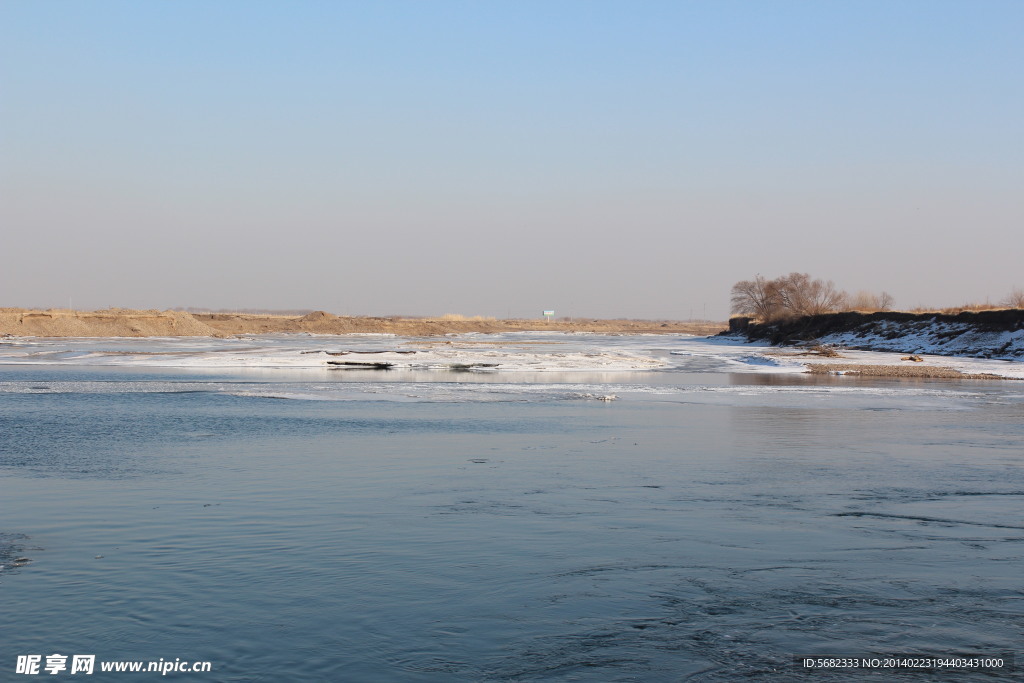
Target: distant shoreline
[{"x": 22, "y": 322}]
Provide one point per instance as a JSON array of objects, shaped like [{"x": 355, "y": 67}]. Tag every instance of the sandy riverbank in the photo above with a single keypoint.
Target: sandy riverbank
[
  {"x": 824, "y": 360},
  {"x": 925, "y": 372},
  {"x": 152, "y": 323}
]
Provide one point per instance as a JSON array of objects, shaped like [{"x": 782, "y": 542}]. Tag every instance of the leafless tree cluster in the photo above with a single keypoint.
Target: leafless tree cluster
[{"x": 799, "y": 294}]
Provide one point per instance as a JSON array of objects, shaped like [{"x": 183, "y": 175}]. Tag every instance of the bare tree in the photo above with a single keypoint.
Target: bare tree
[
  {"x": 758, "y": 297},
  {"x": 1015, "y": 299},
  {"x": 795, "y": 294},
  {"x": 868, "y": 301},
  {"x": 862, "y": 301},
  {"x": 801, "y": 295}
]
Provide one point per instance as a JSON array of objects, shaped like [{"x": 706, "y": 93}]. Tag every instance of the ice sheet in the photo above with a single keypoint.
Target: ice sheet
[{"x": 472, "y": 353}]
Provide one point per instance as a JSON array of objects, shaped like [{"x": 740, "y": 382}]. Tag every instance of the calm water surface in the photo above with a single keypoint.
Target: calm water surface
[{"x": 445, "y": 526}]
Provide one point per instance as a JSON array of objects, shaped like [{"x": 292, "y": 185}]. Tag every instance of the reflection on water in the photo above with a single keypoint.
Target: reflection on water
[{"x": 702, "y": 527}]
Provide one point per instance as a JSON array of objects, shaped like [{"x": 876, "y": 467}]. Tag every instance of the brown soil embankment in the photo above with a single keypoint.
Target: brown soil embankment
[
  {"x": 817, "y": 326},
  {"x": 134, "y": 323},
  {"x": 109, "y": 323}
]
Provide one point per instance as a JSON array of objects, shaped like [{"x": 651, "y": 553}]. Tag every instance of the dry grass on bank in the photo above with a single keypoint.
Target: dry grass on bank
[{"x": 968, "y": 307}]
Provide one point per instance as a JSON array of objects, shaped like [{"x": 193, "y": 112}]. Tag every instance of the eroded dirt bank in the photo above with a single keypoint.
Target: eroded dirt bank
[
  {"x": 153, "y": 323},
  {"x": 981, "y": 334}
]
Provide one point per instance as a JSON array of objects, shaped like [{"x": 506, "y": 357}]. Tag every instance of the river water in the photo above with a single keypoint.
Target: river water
[{"x": 600, "y": 509}]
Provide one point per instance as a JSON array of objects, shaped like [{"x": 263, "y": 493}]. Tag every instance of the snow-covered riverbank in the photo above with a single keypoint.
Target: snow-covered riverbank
[{"x": 985, "y": 334}]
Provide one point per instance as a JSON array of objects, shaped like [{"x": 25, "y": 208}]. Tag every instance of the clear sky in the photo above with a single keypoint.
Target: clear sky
[{"x": 630, "y": 158}]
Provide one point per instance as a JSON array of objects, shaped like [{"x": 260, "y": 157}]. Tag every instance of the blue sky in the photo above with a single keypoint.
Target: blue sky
[{"x": 500, "y": 158}]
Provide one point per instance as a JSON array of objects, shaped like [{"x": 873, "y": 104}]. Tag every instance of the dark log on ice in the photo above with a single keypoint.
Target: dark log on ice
[
  {"x": 360, "y": 365},
  {"x": 471, "y": 366}
]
